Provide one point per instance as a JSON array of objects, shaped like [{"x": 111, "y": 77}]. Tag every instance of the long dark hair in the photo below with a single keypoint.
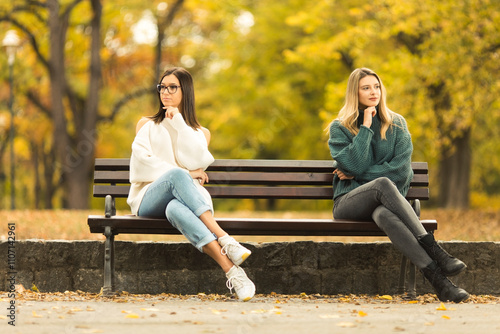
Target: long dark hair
[{"x": 186, "y": 107}]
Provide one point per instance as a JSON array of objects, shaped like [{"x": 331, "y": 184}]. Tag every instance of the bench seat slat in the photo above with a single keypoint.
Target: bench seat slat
[{"x": 130, "y": 224}]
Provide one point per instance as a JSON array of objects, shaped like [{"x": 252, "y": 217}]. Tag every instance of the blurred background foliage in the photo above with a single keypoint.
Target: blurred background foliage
[{"x": 269, "y": 77}]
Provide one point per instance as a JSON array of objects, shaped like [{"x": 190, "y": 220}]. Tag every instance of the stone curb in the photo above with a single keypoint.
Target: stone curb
[{"x": 282, "y": 267}]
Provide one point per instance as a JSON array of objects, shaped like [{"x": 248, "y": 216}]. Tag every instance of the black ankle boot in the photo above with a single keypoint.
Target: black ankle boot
[
  {"x": 449, "y": 265},
  {"x": 445, "y": 289}
]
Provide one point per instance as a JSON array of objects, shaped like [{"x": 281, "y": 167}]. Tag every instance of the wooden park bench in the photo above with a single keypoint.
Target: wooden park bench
[{"x": 255, "y": 179}]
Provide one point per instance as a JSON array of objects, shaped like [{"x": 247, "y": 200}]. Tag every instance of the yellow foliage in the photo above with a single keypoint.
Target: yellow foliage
[{"x": 292, "y": 64}]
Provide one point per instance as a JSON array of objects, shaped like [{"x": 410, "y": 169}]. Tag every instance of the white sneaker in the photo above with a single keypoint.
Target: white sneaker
[
  {"x": 233, "y": 249},
  {"x": 243, "y": 286}
]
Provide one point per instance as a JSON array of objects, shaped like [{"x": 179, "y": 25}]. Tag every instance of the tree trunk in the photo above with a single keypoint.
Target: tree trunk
[
  {"x": 48, "y": 160},
  {"x": 57, "y": 30},
  {"x": 163, "y": 22},
  {"x": 74, "y": 153},
  {"x": 78, "y": 177},
  {"x": 455, "y": 158},
  {"x": 454, "y": 173},
  {"x": 77, "y": 188},
  {"x": 37, "y": 188}
]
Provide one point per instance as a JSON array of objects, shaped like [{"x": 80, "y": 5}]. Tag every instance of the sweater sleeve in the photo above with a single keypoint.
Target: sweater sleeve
[
  {"x": 144, "y": 165},
  {"x": 192, "y": 148},
  {"x": 352, "y": 153}
]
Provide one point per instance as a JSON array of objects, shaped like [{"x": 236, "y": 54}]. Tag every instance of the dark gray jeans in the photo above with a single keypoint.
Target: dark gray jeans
[{"x": 381, "y": 201}]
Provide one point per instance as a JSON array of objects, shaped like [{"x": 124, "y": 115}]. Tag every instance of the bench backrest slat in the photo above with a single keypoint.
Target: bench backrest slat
[
  {"x": 229, "y": 178},
  {"x": 220, "y": 178},
  {"x": 249, "y": 165},
  {"x": 257, "y": 192}
]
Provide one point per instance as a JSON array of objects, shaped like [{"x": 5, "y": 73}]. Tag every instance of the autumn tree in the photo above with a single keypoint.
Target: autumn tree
[
  {"x": 73, "y": 113},
  {"x": 66, "y": 38},
  {"x": 250, "y": 93},
  {"x": 439, "y": 60},
  {"x": 269, "y": 77}
]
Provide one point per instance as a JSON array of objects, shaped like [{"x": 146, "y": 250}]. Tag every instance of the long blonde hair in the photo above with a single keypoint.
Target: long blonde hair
[{"x": 348, "y": 115}]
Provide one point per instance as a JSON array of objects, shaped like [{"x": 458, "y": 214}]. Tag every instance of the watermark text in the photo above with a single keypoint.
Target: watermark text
[{"x": 11, "y": 274}]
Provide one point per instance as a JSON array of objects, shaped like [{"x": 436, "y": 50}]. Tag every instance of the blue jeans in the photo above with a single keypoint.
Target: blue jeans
[
  {"x": 380, "y": 201},
  {"x": 174, "y": 196}
]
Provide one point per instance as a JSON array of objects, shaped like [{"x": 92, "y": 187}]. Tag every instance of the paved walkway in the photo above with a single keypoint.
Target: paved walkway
[{"x": 135, "y": 314}]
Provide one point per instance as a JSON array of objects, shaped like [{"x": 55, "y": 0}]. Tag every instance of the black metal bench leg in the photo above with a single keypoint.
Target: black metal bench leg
[
  {"x": 412, "y": 282},
  {"x": 402, "y": 276},
  {"x": 109, "y": 262}
]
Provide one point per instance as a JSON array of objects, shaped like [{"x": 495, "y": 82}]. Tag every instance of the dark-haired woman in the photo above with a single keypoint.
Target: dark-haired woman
[{"x": 167, "y": 172}]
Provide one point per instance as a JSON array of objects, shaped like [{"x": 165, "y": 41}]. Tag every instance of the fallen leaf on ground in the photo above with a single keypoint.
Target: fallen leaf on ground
[
  {"x": 132, "y": 316},
  {"x": 386, "y": 297},
  {"x": 28, "y": 295},
  {"x": 441, "y": 307}
]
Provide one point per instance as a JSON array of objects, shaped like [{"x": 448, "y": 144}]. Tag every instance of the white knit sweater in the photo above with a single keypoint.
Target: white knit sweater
[{"x": 158, "y": 148}]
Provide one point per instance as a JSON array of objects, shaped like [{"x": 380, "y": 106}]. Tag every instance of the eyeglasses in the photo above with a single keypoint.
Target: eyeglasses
[{"x": 170, "y": 89}]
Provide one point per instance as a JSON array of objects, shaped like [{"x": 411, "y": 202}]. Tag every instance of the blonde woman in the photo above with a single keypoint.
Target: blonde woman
[{"x": 372, "y": 148}]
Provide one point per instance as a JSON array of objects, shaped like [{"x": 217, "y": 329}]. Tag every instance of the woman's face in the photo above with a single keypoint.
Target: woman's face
[
  {"x": 171, "y": 83},
  {"x": 368, "y": 92}
]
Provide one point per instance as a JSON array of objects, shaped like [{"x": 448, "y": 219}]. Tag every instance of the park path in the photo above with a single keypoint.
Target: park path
[{"x": 72, "y": 312}]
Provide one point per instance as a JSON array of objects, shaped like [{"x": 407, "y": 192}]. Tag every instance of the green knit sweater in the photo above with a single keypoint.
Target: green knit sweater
[{"x": 367, "y": 157}]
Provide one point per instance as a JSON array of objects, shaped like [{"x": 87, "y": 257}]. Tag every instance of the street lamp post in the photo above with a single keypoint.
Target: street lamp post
[{"x": 11, "y": 42}]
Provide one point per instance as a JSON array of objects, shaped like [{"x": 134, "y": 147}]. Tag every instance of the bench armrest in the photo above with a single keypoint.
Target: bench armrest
[
  {"x": 415, "y": 204},
  {"x": 109, "y": 206}
]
